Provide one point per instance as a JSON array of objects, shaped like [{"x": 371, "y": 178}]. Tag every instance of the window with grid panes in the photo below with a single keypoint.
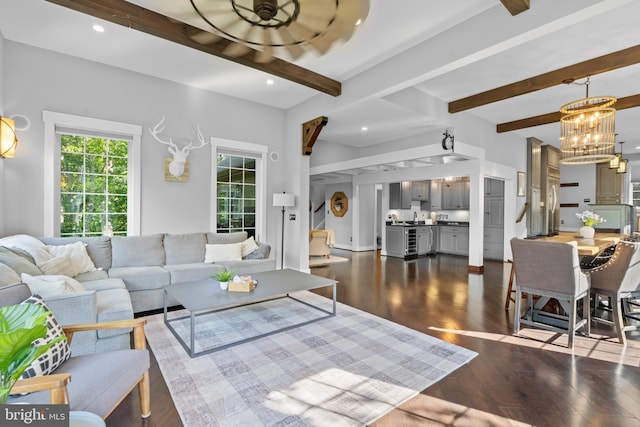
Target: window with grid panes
[
  {"x": 236, "y": 194},
  {"x": 93, "y": 185}
]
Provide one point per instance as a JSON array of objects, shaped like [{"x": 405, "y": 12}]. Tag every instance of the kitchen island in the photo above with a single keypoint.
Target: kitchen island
[{"x": 412, "y": 239}]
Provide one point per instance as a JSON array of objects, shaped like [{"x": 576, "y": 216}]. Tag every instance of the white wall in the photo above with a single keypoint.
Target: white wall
[
  {"x": 342, "y": 226},
  {"x": 37, "y": 80},
  {"x": 364, "y": 208},
  {"x": 2, "y": 204}
]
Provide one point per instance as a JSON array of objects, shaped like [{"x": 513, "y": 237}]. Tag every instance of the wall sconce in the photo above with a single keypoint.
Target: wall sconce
[{"x": 8, "y": 138}]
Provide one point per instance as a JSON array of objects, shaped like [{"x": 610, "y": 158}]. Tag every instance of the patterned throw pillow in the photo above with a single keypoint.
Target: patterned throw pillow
[{"x": 57, "y": 354}]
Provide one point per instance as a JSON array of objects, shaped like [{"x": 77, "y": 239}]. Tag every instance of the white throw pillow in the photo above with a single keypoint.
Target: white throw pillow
[
  {"x": 51, "y": 285},
  {"x": 58, "y": 265},
  {"x": 80, "y": 260},
  {"x": 248, "y": 246},
  {"x": 223, "y": 252}
]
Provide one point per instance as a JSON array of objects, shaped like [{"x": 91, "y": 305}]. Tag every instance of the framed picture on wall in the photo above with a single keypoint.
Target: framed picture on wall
[{"x": 521, "y": 184}]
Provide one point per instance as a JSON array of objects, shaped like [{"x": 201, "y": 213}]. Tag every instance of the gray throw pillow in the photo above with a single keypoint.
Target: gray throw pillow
[
  {"x": 18, "y": 263},
  {"x": 261, "y": 253}
]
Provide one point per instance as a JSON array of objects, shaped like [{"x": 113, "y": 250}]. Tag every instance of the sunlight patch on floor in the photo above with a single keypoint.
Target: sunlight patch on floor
[
  {"x": 428, "y": 410},
  {"x": 598, "y": 347}
]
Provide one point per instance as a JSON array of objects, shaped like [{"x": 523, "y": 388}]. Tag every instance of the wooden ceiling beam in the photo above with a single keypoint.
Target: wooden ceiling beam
[
  {"x": 545, "y": 119},
  {"x": 601, "y": 64},
  {"x": 132, "y": 16},
  {"x": 515, "y": 6}
]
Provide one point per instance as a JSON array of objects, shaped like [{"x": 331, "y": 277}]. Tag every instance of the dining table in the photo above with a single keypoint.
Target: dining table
[
  {"x": 601, "y": 241},
  {"x": 586, "y": 247}
]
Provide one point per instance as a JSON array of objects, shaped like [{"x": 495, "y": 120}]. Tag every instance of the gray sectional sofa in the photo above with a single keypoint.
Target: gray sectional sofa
[{"x": 131, "y": 272}]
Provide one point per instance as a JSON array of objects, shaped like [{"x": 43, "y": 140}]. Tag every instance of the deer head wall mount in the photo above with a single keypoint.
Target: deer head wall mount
[{"x": 177, "y": 165}]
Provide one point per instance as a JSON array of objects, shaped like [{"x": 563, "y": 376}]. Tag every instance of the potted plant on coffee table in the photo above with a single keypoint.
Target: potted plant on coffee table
[
  {"x": 223, "y": 275},
  {"x": 20, "y": 326}
]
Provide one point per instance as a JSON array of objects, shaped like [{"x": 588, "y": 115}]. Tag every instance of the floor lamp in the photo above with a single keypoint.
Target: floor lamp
[{"x": 285, "y": 201}]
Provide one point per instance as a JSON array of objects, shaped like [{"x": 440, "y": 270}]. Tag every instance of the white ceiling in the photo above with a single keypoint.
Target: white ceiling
[{"x": 444, "y": 50}]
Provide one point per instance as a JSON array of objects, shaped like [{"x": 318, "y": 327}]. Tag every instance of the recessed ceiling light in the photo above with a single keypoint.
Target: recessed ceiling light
[
  {"x": 270, "y": 81},
  {"x": 364, "y": 128},
  {"x": 98, "y": 28}
]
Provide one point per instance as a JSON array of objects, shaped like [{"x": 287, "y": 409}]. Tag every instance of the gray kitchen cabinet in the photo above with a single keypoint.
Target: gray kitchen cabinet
[
  {"x": 401, "y": 241},
  {"x": 436, "y": 195},
  {"x": 493, "y": 187},
  {"x": 400, "y": 195},
  {"x": 395, "y": 241},
  {"x": 455, "y": 195},
  {"x": 454, "y": 240},
  {"x": 420, "y": 190},
  {"x": 425, "y": 239},
  {"x": 609, "y": 185},
  {"x": 494, "y": 212},
  {"x": 493, "y": 242}
]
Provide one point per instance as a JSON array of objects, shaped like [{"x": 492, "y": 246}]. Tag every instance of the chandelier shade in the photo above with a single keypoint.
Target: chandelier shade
[
  {"x": 587, "y": 130},
  {"x": 272, "y": 26}
]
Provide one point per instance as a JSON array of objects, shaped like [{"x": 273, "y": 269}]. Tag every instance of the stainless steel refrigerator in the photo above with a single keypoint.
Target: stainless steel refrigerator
[{"x": 550, "y": 190}]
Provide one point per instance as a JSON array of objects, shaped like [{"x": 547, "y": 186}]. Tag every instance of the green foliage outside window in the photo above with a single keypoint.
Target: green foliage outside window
[
  {"x": 93, "y": 185},
  {"x": 236, "y": 194}
]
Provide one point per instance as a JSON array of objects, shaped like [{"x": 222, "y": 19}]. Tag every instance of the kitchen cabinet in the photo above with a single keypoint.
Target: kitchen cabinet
[
  {"x": 454, "y": 240},
  {"x": 420, "y": 190},
  {"x": 494, "y": 212},
  {"x": 426, "y": 235},
  {"x": 455, "y": 195},
  {"x": 400, "y": 195},
  {"x": 401, "y": 241},
  {"x": 436, "y": 195},
  {"x": 493, "y": 241},
  {"x": 609, "y": 185},
  {"x": 493, "y": 187}
]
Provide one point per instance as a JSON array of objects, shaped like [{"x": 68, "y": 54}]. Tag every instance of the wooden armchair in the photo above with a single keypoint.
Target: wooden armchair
[{"x": 95, "y": 383}]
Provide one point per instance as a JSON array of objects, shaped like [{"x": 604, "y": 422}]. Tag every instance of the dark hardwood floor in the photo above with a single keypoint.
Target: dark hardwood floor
[{"x": 532, "y": 380}]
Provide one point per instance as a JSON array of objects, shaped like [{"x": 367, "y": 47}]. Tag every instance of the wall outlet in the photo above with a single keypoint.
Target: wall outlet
[
  {"x": 292, "y": 217},
  {"x": 562, "y": 221}
]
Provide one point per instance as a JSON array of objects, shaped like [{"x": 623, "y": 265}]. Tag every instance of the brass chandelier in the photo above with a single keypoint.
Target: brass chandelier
[{"x": 587, "y": 129}]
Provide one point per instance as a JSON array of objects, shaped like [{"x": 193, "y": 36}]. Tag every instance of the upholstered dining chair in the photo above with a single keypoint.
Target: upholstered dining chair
[
  {"x": 617, "y": 282},
  {"x": 95, "y": 383},
  {"x": 550, "y": 270}
]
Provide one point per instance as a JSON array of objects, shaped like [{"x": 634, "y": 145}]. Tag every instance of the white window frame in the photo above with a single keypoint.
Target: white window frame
[
  {"x": 220, "y": 145},
  {"x": 51, "y": 121}
]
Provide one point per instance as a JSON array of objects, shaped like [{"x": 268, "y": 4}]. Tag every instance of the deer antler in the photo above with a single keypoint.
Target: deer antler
[
  {"x": 173, "y": 148},
  {"x": 200, "y": 139}
]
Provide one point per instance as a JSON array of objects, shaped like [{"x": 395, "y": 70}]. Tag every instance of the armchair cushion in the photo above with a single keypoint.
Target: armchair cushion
[{"x": 57, "y": 354}]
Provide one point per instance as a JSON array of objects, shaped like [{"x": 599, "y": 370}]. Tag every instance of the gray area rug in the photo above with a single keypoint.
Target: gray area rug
[{"x": 347, "y": 370}]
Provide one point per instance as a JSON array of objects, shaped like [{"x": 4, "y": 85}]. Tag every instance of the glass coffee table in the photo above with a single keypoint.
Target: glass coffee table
[{"x": 204, "y": 296}]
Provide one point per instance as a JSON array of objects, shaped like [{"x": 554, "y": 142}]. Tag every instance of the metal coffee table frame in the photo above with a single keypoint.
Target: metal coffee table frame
[{"x": 204, "y": 296}]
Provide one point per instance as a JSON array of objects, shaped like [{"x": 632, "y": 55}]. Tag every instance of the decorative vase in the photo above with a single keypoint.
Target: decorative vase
[
  {"x": 587, "y": 232},
  {"x": 224, "y": 285}
]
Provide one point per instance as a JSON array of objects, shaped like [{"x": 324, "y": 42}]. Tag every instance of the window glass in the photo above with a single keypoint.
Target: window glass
[
  {"x": 93, "y": 185},
  {"x": 236, "y": 195}
]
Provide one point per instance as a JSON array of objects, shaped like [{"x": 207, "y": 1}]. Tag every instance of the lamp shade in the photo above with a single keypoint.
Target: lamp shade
[
  {"x": 284, "y": 199},
  {"x": 8, "y": 138}
]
